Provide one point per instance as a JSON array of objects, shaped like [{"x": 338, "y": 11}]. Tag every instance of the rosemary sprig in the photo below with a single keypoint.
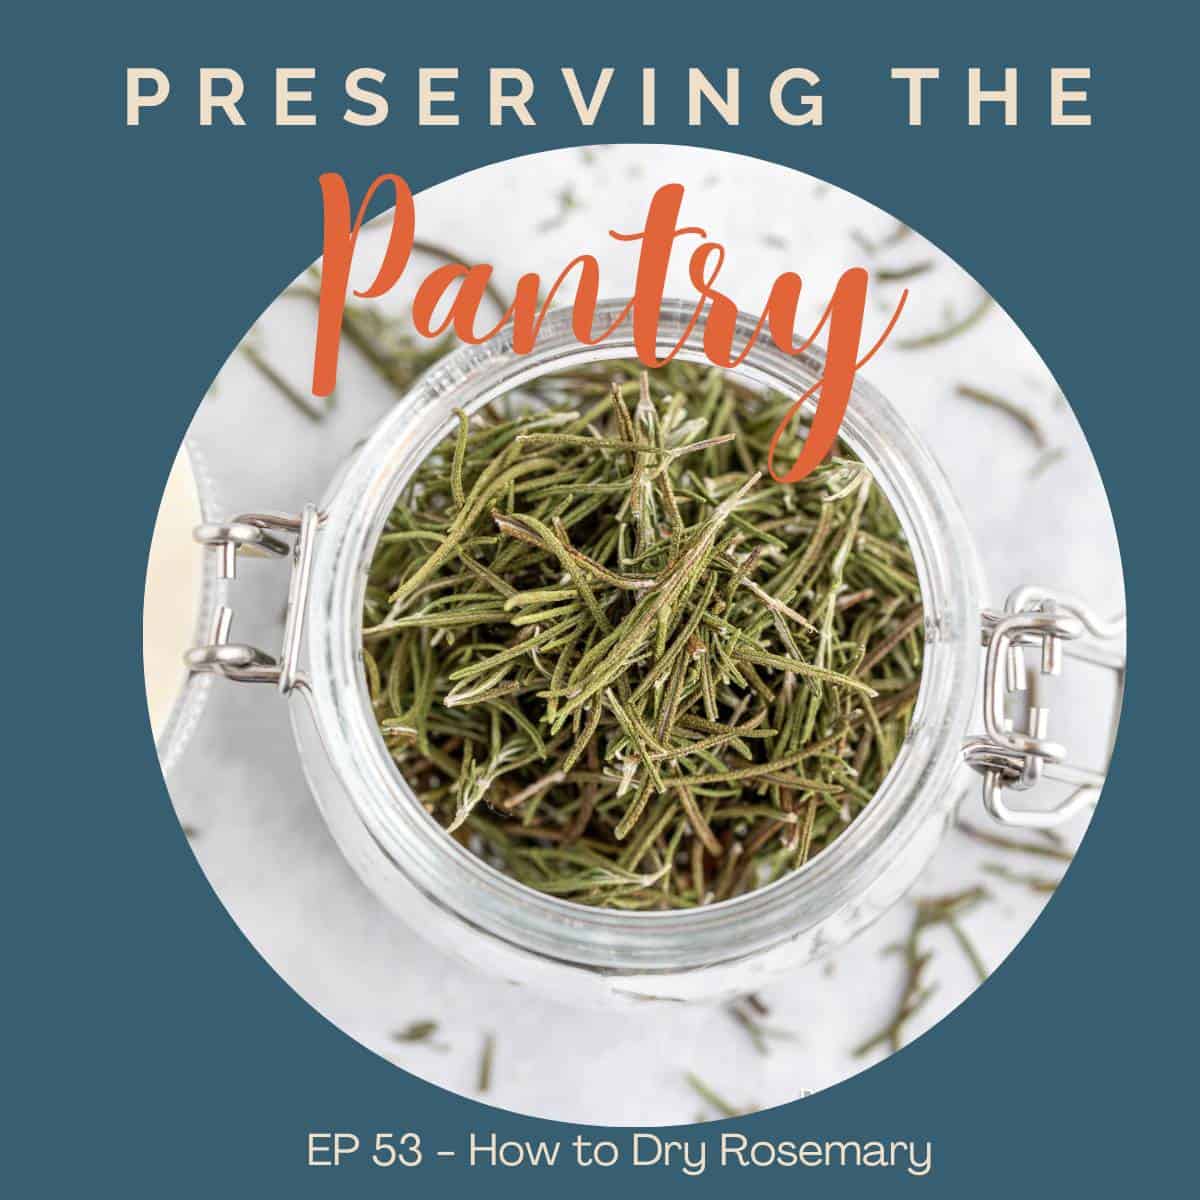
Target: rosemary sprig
[
  {"x": 930, "y": 911},
  {"x": 419, "y": 1033},
  {"x": 487, "y": 1058},
  {"x": 758, "y": 1031},
  {"x": 953, "y": 327},
  {"x": 713, "y": 1099},
  {"x": 1038, "y": 884},
  {"x": 304, "y": 405},
  {"x": 621, "y": 666},
  {"x": 1046, "y": 849},
  {"x": 899, "y": 274},
  {"x": 871, "y": 246},
  {"x": 1025, "y": 419}
]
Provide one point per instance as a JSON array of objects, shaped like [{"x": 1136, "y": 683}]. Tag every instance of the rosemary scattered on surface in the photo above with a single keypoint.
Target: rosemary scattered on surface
[
  {"x": 954, "y": 327},
  {"x": 387, "y": 343},
  {"x": 872, "y": 246},
  {"x": 566, "y": 202},
  {"x": 398, "y": 356},
  {"x": 758, "y": 1031},
  {"x": 303, "y": 404},
  {"x": 713, "y": 1099},
  {"x": 1025, "y": 419},
  {"x": 1046, "y": 460},
  {"x": 1051, "y": 847},
  {"x": 487, "y": 1058},
  {"x": 756, "y": 1004},
  {"x": 1039, "y": 884},
  {"x": 620, "y": 665},
  {"x": 931, "y": 911},
  {"x": 900, "y": 274},
  {"x": 419, "y": 1032}
]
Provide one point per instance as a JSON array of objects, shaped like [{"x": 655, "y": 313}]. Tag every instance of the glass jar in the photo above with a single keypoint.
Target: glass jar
[{"x": 591, "y": 955}]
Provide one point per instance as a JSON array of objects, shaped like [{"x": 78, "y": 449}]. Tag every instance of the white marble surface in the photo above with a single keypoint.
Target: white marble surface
[{"x": 238, "y": 784}]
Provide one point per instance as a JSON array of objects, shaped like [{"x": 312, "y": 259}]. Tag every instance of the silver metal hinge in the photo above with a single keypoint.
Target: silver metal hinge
[
  {"x": 1017, "y": 760},
  {"x": 259, "y": 535}
]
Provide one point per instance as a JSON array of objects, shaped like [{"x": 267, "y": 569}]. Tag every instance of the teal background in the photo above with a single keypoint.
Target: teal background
[{"x": 149, "y": 1048}]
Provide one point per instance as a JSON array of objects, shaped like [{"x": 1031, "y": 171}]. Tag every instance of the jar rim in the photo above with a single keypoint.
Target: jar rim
[{"x": 458, "y": 880}]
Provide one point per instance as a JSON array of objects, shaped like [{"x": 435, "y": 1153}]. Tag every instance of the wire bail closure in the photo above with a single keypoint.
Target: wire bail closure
[
  {"x": 259, "y": 535},
  {"x": 1018, "y": 760}
]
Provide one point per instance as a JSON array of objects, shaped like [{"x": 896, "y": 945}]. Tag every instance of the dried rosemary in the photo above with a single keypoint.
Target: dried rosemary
[
  {"x": 419, "y": 1033},
  {"x": 620, "y": 665},
  {"x": 487, "y": 1057},
  {"x": 713, "y": 1099},
  {"x": 749, "y": 1018},
  {"x": 930, "y": 911},
  {"x": 1025, "y": 419},
  {"x": 954, "y": 327},
  {"x": 1044, "y": 849}
]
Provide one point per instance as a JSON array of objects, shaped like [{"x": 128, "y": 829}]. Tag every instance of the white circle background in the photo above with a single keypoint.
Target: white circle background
[{"x": 238, "y": 784}]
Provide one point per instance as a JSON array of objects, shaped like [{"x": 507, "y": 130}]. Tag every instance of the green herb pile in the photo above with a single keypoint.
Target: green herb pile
[{"x": 621, "y": 665}]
